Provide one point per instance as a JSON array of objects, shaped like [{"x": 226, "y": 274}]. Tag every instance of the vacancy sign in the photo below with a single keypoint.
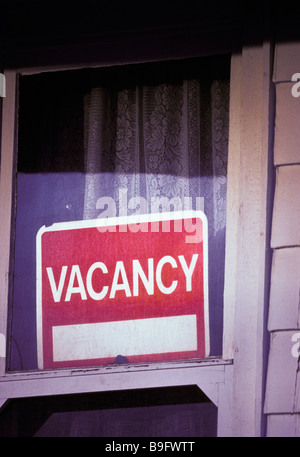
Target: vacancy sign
[{"x": 134, "y": 287}]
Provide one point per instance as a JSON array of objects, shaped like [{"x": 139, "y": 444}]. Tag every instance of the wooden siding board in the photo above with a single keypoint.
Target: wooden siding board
[
  {"x": 281, "y": 374},
  {"x": 287, "y": 125},
  {"x": 285, "y": 290},
  {"x": 283, "y": 425},
  {"x": 286, "y": 60},
  {"x": 286, "y": 212}
]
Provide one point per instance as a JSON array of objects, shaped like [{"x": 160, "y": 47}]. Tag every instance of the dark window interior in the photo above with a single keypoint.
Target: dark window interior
[{"x": 162, "y": 412}]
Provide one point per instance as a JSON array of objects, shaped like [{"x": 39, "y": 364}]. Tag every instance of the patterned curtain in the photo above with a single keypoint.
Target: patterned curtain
[{"x": 168, "y": 140}]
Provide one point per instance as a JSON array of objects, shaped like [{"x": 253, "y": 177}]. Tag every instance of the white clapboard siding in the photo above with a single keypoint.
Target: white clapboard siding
[
  {"x": 282, "y": 402},
  {"x": 284, "y": 425},
  {"x": 285, "y": 290},
  {"x": 286, "y": 212},
  {"x": 287, "y": 125},
  {"x": 286, "y": 61},
  {"x": 281, "y": 375}
]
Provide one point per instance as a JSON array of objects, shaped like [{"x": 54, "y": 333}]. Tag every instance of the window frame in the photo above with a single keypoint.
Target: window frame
[{"x": 9, "y": 147}]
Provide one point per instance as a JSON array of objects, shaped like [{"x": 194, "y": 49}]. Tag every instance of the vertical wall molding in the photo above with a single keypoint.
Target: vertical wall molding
[{"x": 247, "y": 244}]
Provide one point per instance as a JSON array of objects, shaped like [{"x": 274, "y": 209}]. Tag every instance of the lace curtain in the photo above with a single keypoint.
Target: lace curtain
[{"x": 164, "y": 140}]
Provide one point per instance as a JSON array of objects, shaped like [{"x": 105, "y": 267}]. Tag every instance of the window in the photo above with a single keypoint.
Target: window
[{"x": 149, "y": 130}]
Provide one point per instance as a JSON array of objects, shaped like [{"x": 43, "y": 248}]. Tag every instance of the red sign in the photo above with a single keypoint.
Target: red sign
[{"x": 134, "y": 286}]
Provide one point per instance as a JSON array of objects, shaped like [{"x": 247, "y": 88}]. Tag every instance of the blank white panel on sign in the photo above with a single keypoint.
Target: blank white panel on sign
[{"x": 109, "y": 339}]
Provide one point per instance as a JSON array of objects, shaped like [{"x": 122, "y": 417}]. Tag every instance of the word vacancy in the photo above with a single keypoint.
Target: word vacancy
[{"x": 120, "y": 282}]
